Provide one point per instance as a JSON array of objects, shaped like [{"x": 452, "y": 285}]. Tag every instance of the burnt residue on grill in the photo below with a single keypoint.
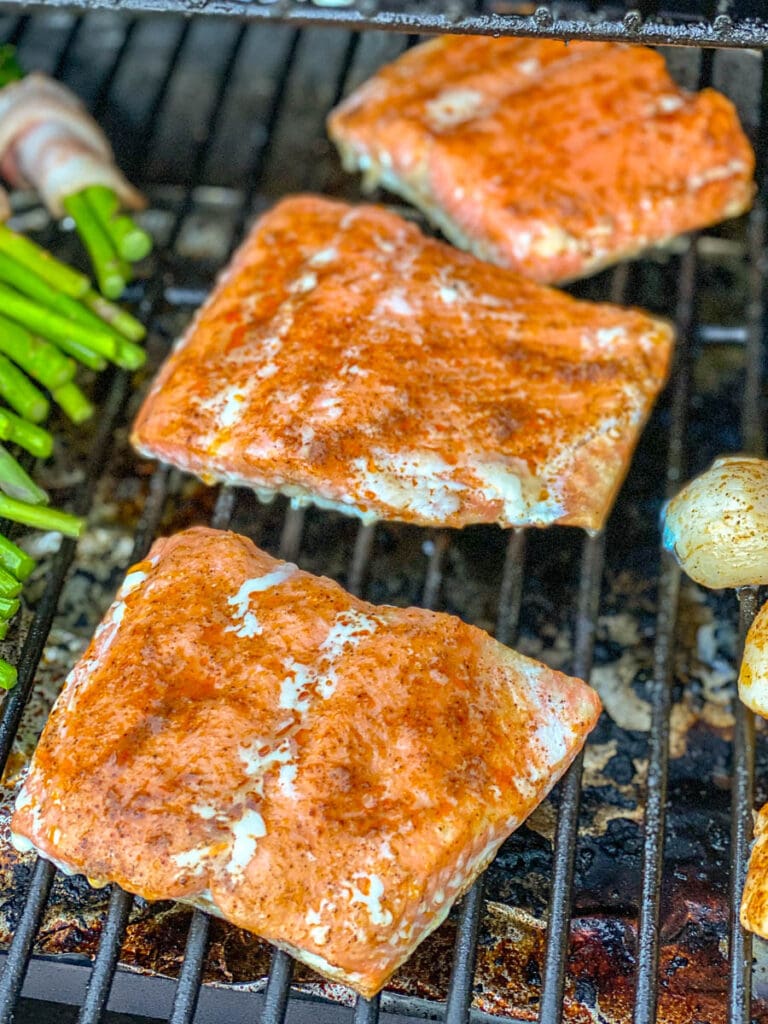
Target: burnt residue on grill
[{"x": 280, "y": 149}]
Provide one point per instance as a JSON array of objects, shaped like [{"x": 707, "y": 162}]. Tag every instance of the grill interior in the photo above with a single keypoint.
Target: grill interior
[{"x": 638, "y": 858}]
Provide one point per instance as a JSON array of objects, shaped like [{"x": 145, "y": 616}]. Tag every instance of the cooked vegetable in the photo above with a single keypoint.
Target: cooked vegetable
[
  {"x": 40, "y": 516},
  {"x": 40, "y": 262},
  {"x": 17, "y": 483},
  {"x": 15, "y": 560},
  {"x": 21, "y": 394},
  {"x": 717, "y": 526},
  {"x": 112, "y": 272}
]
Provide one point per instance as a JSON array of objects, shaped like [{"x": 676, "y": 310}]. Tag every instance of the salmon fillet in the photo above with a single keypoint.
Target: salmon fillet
[
  {"x": 253, "y": 740},
  {"x": 346, "y": 359},
  {"x": 552, "y": 159}
]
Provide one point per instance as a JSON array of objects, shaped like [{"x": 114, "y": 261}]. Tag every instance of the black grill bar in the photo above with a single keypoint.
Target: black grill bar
[
  {"x": 613, "y": 22},
  {"x": 367, "y": 1010},
  {"x": 465, "y": 956},
  {"x": 278, "y": 988},
  {"x": 669, "y": 585},
  {"x": 742, "y": 799},
  {"x": 23, "y": 938},
  {"x": 743, "y": 770},
  {"x": 470, "y": 912},
  {"x": 191, "y": 974},
  {"x": 105, "y": 963},
  {"x": 566, "y": 834}
]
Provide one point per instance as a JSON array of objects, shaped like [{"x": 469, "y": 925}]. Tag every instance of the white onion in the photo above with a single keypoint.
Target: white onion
[{"x": 717, "y": 526}]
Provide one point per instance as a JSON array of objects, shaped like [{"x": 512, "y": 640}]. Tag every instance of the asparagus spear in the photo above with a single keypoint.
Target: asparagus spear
[
  {"x": 55, "y": 327},
  {"x": 15, "y": 560},
  {"x": 112, "y": 273},
  {"x": 130, "y": 241},
  {"x": 9, "y": 585},
  {"x": 119, "y": 318},
  {"x": 41, "y": 360},
  {"x": 17, "y": 483},
  {"x": 8, "y": 607},
  {"x": 40, "y": 262},
  {"x": 36, "y": 440},
  {"x": 40, "y": 517},
  {"x": 21, "y": 394},
  {"x": 73, "y": 402},
  {"x": 8, "y": 675}
]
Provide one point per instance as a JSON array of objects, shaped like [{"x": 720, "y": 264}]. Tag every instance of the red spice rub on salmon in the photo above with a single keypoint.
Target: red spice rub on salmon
[
  {"x": 329, "y": 774},
  {"x": 348, "y": 360},
  {"x": 553, "y": 159}
]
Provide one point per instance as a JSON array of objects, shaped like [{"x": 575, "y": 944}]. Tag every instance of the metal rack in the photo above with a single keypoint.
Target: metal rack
[
  {"x": 288, "y": 153},
  {"x": 736, "y": 23}
]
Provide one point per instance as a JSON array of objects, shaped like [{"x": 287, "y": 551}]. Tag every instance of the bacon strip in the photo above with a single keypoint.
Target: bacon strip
[{"x": 50, "y": 142}]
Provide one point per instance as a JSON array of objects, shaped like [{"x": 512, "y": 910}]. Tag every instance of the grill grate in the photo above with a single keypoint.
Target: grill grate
[
  {"x": 736, "y": 23},
  {"x": 255, "y": 127}
]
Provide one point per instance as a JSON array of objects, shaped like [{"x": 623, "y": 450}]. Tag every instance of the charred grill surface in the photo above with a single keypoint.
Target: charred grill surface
[{"x": 217, "y": 121}]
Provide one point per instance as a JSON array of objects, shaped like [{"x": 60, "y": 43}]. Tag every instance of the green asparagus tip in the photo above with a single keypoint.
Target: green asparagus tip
[
  {"x": 40, "y": 262},
  {"x": 10, "y": 69},
  {"x": 112, "y": 273},
  {"x": 9, "y": 585},
  {"x": 8, "y": 675},
  {"x": 130, "y": 356},
  {"x": 17, "y": 483},
  {"x": 15, "y": 559},
  {"x": 73, "y": 403},
  {"x": 8, "y": 607},
  {"x": 32, "y": 438},
  {"x": 40, "y": 517},
  {"x": 115, "y": 316}
]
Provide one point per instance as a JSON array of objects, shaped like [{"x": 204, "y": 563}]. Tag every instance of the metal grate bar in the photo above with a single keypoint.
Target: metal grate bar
[
  {"x": 465, "y": 956},
  {"x": 361, "y": 556},
  {"x": 744, "y": 29},
  {"x": 21, "y": 948},
  {"x": 66, "y": 50},
  {"x": 104, "y": 965},
  {"x": 367, "y": 1010},
  {"x": 153, "y": 115},
  {"x": 742, "y": 783},
  {"x": 470, "y": 913},
  {"x": 108, "y": 80},
  {"x": 278, "y": 988},
  {"x": 646, "y": 992},
  {"x": 566, "y": 832},
  {"x": 191, "y": 974},
  {"x": 559, "y": 919},
  {"x": 742, "y": 799}
]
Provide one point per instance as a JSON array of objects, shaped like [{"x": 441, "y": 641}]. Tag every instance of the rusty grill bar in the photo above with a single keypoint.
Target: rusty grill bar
[{"x": 178, "y": 281}]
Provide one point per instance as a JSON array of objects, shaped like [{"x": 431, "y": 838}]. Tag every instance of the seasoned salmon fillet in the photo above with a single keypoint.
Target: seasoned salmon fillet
[
  {"x": 552, "y": 159},
  {"x": 346, "y": 359},
  {"x": 251, "y": 739}
]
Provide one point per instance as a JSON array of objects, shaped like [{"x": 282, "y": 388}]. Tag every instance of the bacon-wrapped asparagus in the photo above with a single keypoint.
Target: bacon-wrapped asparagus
[{"x": 49, "y": 141}]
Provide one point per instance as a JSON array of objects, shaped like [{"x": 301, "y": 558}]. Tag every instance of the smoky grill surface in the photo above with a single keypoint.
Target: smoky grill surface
[{"x": 217, "y": 121}]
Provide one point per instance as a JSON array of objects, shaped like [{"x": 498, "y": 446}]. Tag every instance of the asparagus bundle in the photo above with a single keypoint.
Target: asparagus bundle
[
  {"x": 51, "y": 320},
  {"x": 48, "y": 140}
]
